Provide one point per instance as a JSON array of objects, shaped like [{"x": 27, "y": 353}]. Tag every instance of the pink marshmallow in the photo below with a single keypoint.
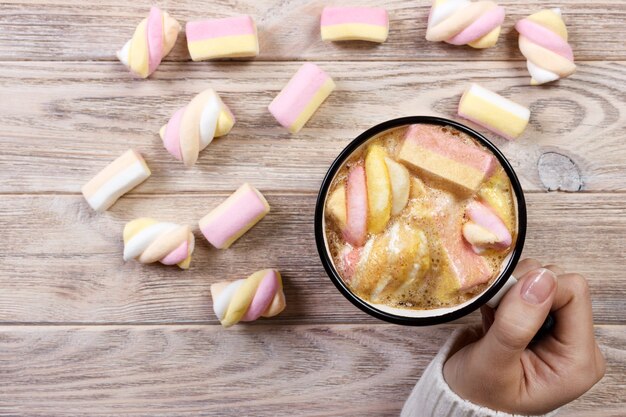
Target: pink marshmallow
[
  {"x": 544, "y": 37},
  {"x": 235, "y": 216},
  {"x": 356, "y": 207},
  {"x": 479, "y": 28},
  {"x": 155, "y": 38},
  {"x": 217, "y": 28},
  {"x": 265, "y": 292},
  {"x": 301, "y": 88},
  {"x": 433, "y": 139},
  {"x": 486, "y": 218},
  {"x": 177, "y": 255},
  {"x": 171, "y": 139},
  {"x": 470, "y": 269},
  {"x": 366, "y": 15},
  {"x": 349, "y": 261}
]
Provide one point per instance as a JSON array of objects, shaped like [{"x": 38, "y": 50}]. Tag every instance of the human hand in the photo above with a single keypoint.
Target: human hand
[{"x": 505, "y": 372}]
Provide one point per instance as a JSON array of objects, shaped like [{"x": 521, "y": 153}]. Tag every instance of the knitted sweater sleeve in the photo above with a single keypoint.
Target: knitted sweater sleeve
[{"x": 432, "y": 396}]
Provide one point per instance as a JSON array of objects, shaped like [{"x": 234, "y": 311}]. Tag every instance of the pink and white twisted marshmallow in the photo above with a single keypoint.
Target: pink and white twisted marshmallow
[
  {"x": 259, "y": 295},
  {"x": 153, "y": 39},
  {"x": 462, "y": 22},
  {"x": 194, "y": 126},
  {"x": 148, "y": 240},
  {"x": 543, "y": 41}
]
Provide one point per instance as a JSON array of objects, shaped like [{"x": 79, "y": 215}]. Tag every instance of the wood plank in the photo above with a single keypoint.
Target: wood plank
[
  {"x": 83, "y": 333},
  {"x": 288, "y": 30},
  {"x": 62, "y": 263},
  {"x": 248, "y": 370},
  {"x": 69, "y": 120}
]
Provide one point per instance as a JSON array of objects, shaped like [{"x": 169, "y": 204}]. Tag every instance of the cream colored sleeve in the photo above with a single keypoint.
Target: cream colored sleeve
[{"x": 432, "y": 396}]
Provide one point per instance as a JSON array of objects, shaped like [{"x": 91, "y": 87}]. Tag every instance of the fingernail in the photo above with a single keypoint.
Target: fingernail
[{"x": 538, "y": 287}]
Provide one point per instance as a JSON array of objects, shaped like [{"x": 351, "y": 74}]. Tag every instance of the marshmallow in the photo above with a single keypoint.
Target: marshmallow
[
  {"x": 461, "y": 22},
  {"x": 400, "y": 185},
  {"x": 378, "y": 189},
  {"x": 464, "y": 267},
  {"x": 355, "y": 232},
  {"x": 193, "y": 127},
  {"x": 485, "y": 229},
  {"x": 432, "y": 151},
  {"x": 301, "y": 97},
  {"x": 118, "y": 178},
  {"x": 354, "y": 23},
  {"x": 496, "y": 194},
  {"x": 389, "y": 263},
  {"x": 148, "y": 240},
  {"x": 234, "y": 216},
  {"x": 259, "y": 295},
  {"x": 493, "y": 112},
  {"x": 232, "y": 37},
  {"x": 387, "y": 191},
  {"x": 543, "y": 41},
  {"x": 349, "y": 261},
  {"x": 417, "y": 188},
  {"x": 469, "y": 268},
  {"x": 153, "y": 39},
  {"x": 336, "y": 206}
]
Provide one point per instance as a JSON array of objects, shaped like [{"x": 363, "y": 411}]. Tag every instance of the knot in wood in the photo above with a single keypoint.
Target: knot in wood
[{"x": 559, "y": 172}]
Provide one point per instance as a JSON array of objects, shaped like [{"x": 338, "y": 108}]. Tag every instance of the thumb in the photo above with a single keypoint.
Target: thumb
[{"x": 520, "y": 315}]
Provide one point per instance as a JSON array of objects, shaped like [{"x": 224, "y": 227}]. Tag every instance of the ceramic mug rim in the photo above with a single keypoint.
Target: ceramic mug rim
[{"x": 328, "y": 264}]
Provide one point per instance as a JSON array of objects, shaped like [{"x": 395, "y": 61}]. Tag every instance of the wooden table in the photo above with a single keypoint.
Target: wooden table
[{"x": 84, "y": 333}]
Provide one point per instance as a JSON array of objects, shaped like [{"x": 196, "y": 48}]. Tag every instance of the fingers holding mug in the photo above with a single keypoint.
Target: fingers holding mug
[
  {"x": 525, "y": 266},
  {"x": 555, "y": 268},
  {"x": 574, "y": 322}
]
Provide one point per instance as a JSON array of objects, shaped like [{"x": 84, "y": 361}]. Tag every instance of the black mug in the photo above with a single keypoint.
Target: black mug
[{"x": 491, "y": 295}]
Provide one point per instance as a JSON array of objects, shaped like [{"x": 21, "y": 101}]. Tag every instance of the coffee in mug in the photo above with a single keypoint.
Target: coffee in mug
[{"x": 421, "y": 217}]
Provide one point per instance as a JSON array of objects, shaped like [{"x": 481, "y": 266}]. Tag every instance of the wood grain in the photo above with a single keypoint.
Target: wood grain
[
  {"x": 83, "y": 333},
  {"x": 62, "y": 262},
  {"x": 288, "y": 29},
  {"x": 70, "y": 120},
  {"x": 365, "y": 370}
]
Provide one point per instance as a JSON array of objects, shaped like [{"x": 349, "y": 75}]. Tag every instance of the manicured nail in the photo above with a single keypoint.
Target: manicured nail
[{"x": 538, "y": 287}]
